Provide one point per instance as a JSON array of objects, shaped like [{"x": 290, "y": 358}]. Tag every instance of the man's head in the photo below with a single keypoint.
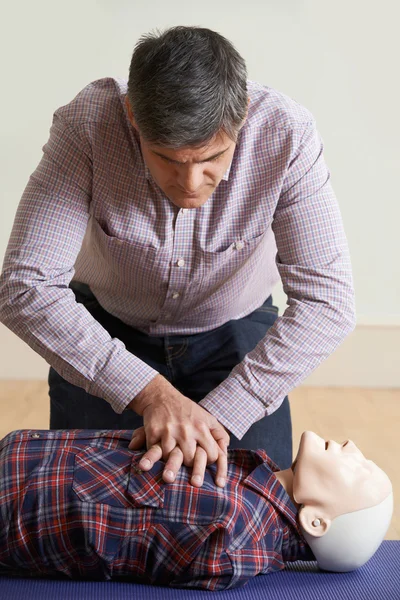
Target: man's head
[
  {"x": 187, "y": 99},
  {"x": 345, "y": 501}
]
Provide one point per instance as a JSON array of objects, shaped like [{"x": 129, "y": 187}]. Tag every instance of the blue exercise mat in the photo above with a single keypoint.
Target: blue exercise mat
[{"x": 379, "y": 579}]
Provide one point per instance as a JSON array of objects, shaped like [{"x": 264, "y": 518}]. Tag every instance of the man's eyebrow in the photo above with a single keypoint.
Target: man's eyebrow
[{"x": 197, "y": 161}]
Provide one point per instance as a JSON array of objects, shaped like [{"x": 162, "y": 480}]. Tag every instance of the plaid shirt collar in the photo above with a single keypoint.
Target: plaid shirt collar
[{"x": 264, "y": 481}]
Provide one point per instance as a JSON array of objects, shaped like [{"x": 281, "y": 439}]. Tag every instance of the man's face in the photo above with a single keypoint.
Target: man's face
[
  {"x": 187, "y": 176},
  {"x": 336, "y": 477}
]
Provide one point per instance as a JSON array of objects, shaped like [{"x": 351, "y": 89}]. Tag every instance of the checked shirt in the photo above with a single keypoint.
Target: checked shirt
[{"x": 73, "y": 503}]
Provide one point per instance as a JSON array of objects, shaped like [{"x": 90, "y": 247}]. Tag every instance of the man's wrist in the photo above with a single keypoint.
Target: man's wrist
[{"x": 146, "y": 396}]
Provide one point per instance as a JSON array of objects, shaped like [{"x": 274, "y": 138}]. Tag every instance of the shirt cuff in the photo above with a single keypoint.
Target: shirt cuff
[
  {"x": 234, "y": 406},
  {"x": 122, "y": 378}
]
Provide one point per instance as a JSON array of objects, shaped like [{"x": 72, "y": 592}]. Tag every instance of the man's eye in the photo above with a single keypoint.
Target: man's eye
[{"x": 172, "y": 162}]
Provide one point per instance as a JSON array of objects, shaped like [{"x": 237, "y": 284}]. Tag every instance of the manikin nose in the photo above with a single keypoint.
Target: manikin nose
[
  {"x": 330, "y": 443},
  {"x": 352, "y": 447}
]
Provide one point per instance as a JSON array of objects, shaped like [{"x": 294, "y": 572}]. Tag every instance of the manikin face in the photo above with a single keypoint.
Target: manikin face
[
  {"x": 187, "y": 176},
  {"x": 331, "y": 479}
]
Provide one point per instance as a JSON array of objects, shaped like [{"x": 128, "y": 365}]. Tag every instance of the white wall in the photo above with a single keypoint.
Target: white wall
[{"x": 340, "y": 60}]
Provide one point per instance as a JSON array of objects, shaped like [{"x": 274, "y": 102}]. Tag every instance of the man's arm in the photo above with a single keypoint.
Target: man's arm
[
  {"x": 38, "y": 306},
  {"x": 35, "y": 300},
  {"x": 314, "y": 263}
]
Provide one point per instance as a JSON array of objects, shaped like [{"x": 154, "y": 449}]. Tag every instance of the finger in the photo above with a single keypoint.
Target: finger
[
  {"x": 153, "y": 454},
  {"x": 138, "y": 439},
  {"x": 173, "y": 465},
  {"x": 208, "y": 443},
  {"x": 206, "y": 440},
  {"x": 220, "y": 434},
  {"x": 222, "y": 469},
  {"x": 188, "y": 447},
  {"x": 199, "y": 467},
  {"x": 168, "y": 443},
  {"x": 223, "y": 445}
]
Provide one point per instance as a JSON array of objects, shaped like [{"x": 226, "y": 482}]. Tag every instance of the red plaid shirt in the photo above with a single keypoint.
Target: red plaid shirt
[{"x": 75, "y": 503}]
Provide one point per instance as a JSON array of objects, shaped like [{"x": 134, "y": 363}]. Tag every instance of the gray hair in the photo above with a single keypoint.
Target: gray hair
[{"x": 185, "y": 86}]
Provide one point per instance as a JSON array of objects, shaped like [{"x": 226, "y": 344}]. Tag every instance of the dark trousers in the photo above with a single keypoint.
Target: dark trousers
[{"x": 195, "y": 364}]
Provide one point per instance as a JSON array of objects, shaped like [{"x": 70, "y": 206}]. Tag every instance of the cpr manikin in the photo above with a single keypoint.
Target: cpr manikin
[
  {"x": 82, "y": 490},
  {"x": 345, "y": 502}
]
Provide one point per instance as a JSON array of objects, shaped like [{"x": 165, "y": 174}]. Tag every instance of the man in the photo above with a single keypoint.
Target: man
[
  {"x": 168, "y": 206},
  {"x": 75, "y": 503}
]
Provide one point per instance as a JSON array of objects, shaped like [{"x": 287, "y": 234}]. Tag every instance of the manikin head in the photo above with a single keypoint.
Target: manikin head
[{"x": 346, "y": 502}]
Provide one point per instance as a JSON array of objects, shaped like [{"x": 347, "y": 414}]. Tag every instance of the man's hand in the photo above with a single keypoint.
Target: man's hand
[{"x": 178, "y": 430}]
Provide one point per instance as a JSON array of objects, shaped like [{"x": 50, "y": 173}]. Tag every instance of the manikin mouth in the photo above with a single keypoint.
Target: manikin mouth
[{"x": 326, "y": 448}]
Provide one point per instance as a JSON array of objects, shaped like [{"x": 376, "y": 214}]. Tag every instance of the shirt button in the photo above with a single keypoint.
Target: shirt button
[
  {"x": 180, "y": 262},
  {"x": 35, "y": 435},
  {"x": 175, "y": 295},
  {"x": 184, "y": 211},
  {"x": 239, "y": 245}
]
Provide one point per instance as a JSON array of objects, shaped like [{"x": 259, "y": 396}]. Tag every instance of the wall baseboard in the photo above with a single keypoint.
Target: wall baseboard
[{"x": 369, "y": 357}]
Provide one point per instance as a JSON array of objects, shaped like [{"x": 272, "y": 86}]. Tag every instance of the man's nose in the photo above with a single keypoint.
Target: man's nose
[{"x": 190, "y": 178}]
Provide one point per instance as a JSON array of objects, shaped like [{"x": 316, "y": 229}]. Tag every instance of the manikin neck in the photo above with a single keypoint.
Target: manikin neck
[{"x": 286, "y": 479}]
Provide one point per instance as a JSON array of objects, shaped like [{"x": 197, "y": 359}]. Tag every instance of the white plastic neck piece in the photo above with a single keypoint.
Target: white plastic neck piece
[{"x": 352, "y": 538}]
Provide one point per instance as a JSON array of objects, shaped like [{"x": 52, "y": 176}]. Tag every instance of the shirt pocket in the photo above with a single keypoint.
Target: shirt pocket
[
  {"x": 113, "y": 477},
  {"x": 220, "y": 265},
  {"x": 143, "y": 266},
  {"x": 116, "y": 251},
  {"x": 109, "y": 476}
]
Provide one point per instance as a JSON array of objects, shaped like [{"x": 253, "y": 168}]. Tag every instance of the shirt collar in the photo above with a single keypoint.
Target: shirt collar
[
  {"x": 226, "y": 176},
  {"x": 263, "y": 479},
  {"x": 147, "y": 172},
  {"x": 265, "y": 482}
]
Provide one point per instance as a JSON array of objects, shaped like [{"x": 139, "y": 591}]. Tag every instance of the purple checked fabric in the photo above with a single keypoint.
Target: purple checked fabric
[{"x": 92, "y": 212}]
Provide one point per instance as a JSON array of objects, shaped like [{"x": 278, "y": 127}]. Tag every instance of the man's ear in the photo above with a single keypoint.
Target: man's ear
[
  {"x": 130, "y": 113},
  {"x": 313, "y": 522}
]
